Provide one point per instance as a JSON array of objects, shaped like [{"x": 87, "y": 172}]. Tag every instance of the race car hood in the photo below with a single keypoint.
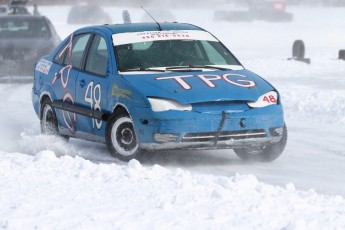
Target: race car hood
[{"x": 195, "y": 87}]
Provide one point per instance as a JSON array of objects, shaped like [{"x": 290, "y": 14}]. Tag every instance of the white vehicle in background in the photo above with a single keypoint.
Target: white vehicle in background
[
  {"x": 85, "y": 13},
  {"x": 269, "y": 10},
  {"x": 265, "y": 10}
]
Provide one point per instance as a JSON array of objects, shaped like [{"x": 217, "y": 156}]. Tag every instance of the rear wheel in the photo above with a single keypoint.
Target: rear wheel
[
  {"x": 49, "y": 123},
  {"x": 264, "y": 154}
]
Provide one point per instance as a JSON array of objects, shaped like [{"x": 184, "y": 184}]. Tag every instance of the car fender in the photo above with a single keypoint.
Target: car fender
[
  {"x": 46, "y": 90},
  {"x": 122, "y": 93}
]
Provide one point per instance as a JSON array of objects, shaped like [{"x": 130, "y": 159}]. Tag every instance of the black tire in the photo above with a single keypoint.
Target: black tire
[
  {"x": 121, "y": 139},
  {"x": 298, "y": 49},
  {"x": 49, "y": 123},
  {"x": 342, "y": 54},
  {"x": 264, "y": 154}
]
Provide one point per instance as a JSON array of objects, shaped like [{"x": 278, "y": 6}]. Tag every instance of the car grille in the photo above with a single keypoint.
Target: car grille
[{"x": 224, "y": 136}]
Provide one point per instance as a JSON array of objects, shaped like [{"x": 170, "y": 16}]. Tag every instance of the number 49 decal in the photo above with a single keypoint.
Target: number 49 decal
[{"x": 93, "y": 97}]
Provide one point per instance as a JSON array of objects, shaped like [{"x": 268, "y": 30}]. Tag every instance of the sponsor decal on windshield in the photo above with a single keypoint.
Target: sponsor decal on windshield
[{"x": 148, "y": 36}]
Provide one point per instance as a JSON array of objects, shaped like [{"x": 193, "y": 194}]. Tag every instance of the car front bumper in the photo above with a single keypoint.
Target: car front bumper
[{"x": 192, "y": 130}]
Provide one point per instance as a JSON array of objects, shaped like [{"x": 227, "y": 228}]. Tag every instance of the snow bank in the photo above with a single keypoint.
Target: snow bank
[{"x": 71, "y": 193}]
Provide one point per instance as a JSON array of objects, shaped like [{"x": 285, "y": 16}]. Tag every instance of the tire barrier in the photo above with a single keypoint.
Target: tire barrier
[
  {"x": 298, "y": 52},
  {"x": 342, "y": 55}
]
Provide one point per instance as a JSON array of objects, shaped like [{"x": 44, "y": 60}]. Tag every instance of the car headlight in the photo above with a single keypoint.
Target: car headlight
[
  {"x": 160, "y": 105},
  {"x": 270, "y": 98}
]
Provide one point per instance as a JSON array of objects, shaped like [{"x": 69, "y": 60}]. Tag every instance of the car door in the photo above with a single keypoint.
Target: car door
[
  {"x": 64, "y": 81},
  {"x": 92, "y": 87}
]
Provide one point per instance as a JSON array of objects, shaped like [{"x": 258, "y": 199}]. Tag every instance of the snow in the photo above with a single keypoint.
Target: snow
[
  {"x": 46, "y": 183},
  {"x": 72, "y": 192}
]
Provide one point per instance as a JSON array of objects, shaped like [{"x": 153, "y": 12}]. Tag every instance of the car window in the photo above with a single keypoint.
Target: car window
[
  {"x": 11, "y": 27},
  {"x": 60, "y": 56},
  {"x": 213, "y": 55},
  {"x": 97, "y": 59},
  {"x": 75, "y": 53},
  {"x": 167, "y": 53}
]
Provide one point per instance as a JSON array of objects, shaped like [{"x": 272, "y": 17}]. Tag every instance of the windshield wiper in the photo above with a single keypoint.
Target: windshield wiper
[
  {"x": 142, "y": 69},
  {"x": 177, "y": 68},
  {"x": 196, "y": 66}
]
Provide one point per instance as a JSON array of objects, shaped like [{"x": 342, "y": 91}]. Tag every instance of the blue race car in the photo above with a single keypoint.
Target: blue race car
[{"x": 141, "y": 87}]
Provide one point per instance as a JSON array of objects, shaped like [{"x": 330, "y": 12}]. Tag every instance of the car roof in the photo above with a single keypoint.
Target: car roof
[
  {"x": 140, "y": 27},
  {"x": 151, "y": 26},
  {"x": 22, "y": 16}
]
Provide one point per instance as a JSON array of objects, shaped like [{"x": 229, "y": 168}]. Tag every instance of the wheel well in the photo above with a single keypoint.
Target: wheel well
[
  {"x": 41, "y": 103},
  {"x": 120, "y": 110},
  {"x": 43, "y": 98}
]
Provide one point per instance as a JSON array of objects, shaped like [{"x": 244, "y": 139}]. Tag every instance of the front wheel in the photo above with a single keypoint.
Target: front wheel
[
  {"x": 267, "y": 153},
  {"x": 120, "y": 137}
]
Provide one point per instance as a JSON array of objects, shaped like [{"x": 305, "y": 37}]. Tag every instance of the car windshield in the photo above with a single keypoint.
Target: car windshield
[
  {"x": 173, "y": 53},
  {"x": 12, "y": 27}
]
